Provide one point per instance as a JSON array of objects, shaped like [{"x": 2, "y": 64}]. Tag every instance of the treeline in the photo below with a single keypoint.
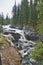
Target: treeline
[
  {"x": 27, "y": 14},
  {"x": 4, "y": 21}
]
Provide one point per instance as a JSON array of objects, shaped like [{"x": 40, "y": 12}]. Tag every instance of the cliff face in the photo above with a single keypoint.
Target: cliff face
[{"x": 10, "y": 56}]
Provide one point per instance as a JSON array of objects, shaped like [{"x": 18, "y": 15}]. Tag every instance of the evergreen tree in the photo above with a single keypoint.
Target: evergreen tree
[
  {"x": 40, "y": 1},
  {"x": 20, "y": 17},
  {"x": 18, "y": 14},
  {"x": 40, "y": 18},
  {"x": 35, "y": 14},
  {"x": 24, "y": 11},
  {"x": 14, "y": 11},
  {"x": 7, "y": 21},
  {"x": 1, "y": 19},
  {"x": 31, "y": 13}
]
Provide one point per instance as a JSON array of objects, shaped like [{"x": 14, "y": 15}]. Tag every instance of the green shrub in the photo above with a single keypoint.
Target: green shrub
[
  {"x": 1, "y": 29},
  {"x": 37, "y": 53},
  {"x": 2, "y": 42}
]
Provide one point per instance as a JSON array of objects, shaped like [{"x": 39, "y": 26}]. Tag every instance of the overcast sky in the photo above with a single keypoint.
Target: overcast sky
[{"x": 6, "y": 6}]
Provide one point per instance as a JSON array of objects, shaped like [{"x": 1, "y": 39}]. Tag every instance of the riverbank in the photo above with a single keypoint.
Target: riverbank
[{"x": 10, "y": 56}]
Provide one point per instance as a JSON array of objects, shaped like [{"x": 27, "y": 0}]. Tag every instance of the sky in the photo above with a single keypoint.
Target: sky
[{"x": 6, "y": 6}]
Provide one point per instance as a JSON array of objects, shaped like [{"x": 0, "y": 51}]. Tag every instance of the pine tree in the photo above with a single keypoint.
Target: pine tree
[
  {"x": 1, "y": 19},
  {"x": 18, "y": 14},
  {"x": 40, "y": 18},
  {"x": 33, "y": 13},
  {"x": 14, "y": 12},
  {"x": 24, "y": 12},
  {"x": 7, "y": 20}
]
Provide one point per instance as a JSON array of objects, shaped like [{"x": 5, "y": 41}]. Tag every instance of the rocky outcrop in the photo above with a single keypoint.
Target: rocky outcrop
[{"x": 10, "y": 56}]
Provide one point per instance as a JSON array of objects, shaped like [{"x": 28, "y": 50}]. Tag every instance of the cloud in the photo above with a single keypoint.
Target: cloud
[{"x": 6, "y": 7}]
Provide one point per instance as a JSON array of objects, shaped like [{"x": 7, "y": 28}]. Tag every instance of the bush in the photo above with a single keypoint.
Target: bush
[
  {"x": 2, "y": 42},
  {"x": 1, "y": 29},
  {"x": 37, "y": 53}
]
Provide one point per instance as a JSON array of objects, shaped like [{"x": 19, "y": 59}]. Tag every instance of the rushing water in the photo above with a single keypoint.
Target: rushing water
[{"x": 25, "y": 47}]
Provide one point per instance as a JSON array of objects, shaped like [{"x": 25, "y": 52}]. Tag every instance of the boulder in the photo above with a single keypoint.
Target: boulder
[
  {"x": 10, "y": 56},
  {"x": 41, "y": 37},
  {"x": 16, "y": 36},
  {"x": 30, "y": 34}
]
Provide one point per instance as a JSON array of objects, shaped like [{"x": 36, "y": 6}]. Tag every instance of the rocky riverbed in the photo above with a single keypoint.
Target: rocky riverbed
[{"x": 22, "y": 41}]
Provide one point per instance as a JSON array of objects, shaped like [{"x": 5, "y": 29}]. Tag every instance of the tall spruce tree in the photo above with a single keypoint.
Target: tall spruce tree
[
  {"x": 31, "y": 13},
  {"x": 18, "y": 14},
  {"x": 40, "y": 1},
  {"x": 14, "y": 12},
  {"x": 24, "y": 12},
  {"x": 1, "y": 19},
  {"x": 7, "y": 20},
  {"x": 40, "y": 18},
  {"x": 35, "y": 14}
]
